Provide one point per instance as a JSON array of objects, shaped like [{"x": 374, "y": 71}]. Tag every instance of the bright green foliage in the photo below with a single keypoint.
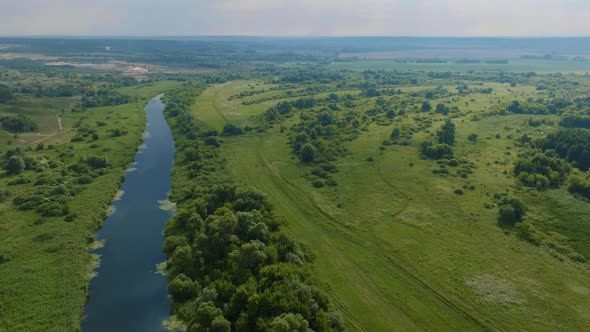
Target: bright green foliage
[{"x": 541, "y": 171}]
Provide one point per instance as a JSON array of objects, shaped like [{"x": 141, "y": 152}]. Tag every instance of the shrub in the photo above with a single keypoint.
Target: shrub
[
  {"x": 438, "y": 151},
  {"x": 331, "y": 182},
  {"x": 579, "y": 185},
  {"x": 15, "y": 165},
  {"x": 52, "y": 209},
  {"x": 395, "y": 133},
  {"x": 318, "y": 183},
  {"x": 211, "y": 141},
  {"x": 453, "y": 162},
  {"x": 18, "y": 123},
  {"x": 512, "y": 210},
  {"x": 95, "y": 161},
  {"x": 4, "y": 194},
  {"x": 307, "y": 153},
  {"x": 231, "y": 130}
]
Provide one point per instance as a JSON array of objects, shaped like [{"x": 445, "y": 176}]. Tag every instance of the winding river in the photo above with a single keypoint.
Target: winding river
[{"x": 128, "y": 294}]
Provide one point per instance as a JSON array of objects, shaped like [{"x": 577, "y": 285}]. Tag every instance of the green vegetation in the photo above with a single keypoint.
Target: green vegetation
[
  {"x": 54, "y": 195},
  {"x": 18, "y": 124},
  {"x": 404, "y": 193}
]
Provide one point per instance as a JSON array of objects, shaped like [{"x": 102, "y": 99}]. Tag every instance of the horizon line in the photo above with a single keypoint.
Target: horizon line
[{"x": 83, "y": 36}]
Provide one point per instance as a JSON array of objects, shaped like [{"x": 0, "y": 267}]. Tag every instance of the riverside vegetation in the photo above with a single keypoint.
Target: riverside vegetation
[{"x": 55, "y": 188}]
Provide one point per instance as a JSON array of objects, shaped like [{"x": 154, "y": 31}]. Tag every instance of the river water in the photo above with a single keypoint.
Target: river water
[{"x": 128, "y": 294}]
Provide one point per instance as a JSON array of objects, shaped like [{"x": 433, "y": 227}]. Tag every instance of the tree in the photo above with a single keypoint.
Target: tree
[
  {"x": 446, "y": 135},
  {"x": 5, "y": 94},
  {"x": 182, "y": 288},
  {"x": 231, "y": 130},
  {"x": 512, "y": 210},
  {"x": 15, "y": 165},
  {"x": 395, "y": 133},
  {"x": 442, "y": 109},
  {"x": 307, "y": 153},
  {"x": 18, "y": 124},
  {"x": 426, "y": 107},
  {"x": 472, "y": 137},
  {"x": 96, "y": 161}
]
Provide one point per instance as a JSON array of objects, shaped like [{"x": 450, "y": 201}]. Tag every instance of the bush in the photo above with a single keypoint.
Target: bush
[
  {"x": 18, "y": 124},
  {"x": 29, "y": 202},
  {"x": 331, "y": 182},
  {"x": 318, "y": 184},
  {"x": 96, "y": 161},
  {"x": 211, "y": 141},
  {"x": 453, "y": 162},
  {"x": 437, "y": 151},
  {"x": 307, "y": 154},
  {"x": 395, "y": 133},
  {"x": 512, "y": 210},
  {"x": 4, "y": 194},
  {"x": 15, "y": 165},
  {"x": 579, "y": 185},
  {"x": 231, "y": 130},
  {"x": 52, "y": 209}
]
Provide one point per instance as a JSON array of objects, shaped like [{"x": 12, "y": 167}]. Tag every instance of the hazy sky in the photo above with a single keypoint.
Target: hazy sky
[{"x": 296, "y": 17}]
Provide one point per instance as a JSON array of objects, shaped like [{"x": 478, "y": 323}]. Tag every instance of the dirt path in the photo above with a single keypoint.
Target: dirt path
[{"x": 61, "y": 128}]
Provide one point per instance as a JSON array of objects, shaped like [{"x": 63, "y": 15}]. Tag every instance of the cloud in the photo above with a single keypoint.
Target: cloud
[
  {"x": 296, "y": 17},
  {"x": 60, "y": 17}
]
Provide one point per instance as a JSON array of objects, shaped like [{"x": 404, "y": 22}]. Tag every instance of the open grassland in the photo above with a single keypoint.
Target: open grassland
[
  {"x": 45, "y": 265},
  {"x": 514, "y": 65},
  {"x": 397, "y": 248}
]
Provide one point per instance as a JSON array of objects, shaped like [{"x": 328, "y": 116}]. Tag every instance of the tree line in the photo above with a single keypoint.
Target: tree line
[{"x": 230, "y": 263}]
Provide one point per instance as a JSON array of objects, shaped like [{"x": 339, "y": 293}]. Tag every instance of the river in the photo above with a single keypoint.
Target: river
[{"x": 128, "y": 294}]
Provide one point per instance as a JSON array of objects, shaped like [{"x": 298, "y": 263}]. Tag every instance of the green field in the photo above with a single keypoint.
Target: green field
[
  {"x": 514, "y": 65},
  {"x": 46, "y": 265},
  {"x": 397, "y": 249}
]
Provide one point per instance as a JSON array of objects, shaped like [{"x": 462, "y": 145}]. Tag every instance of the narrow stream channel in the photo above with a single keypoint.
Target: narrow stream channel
[{"x": 128, "y": 294}]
